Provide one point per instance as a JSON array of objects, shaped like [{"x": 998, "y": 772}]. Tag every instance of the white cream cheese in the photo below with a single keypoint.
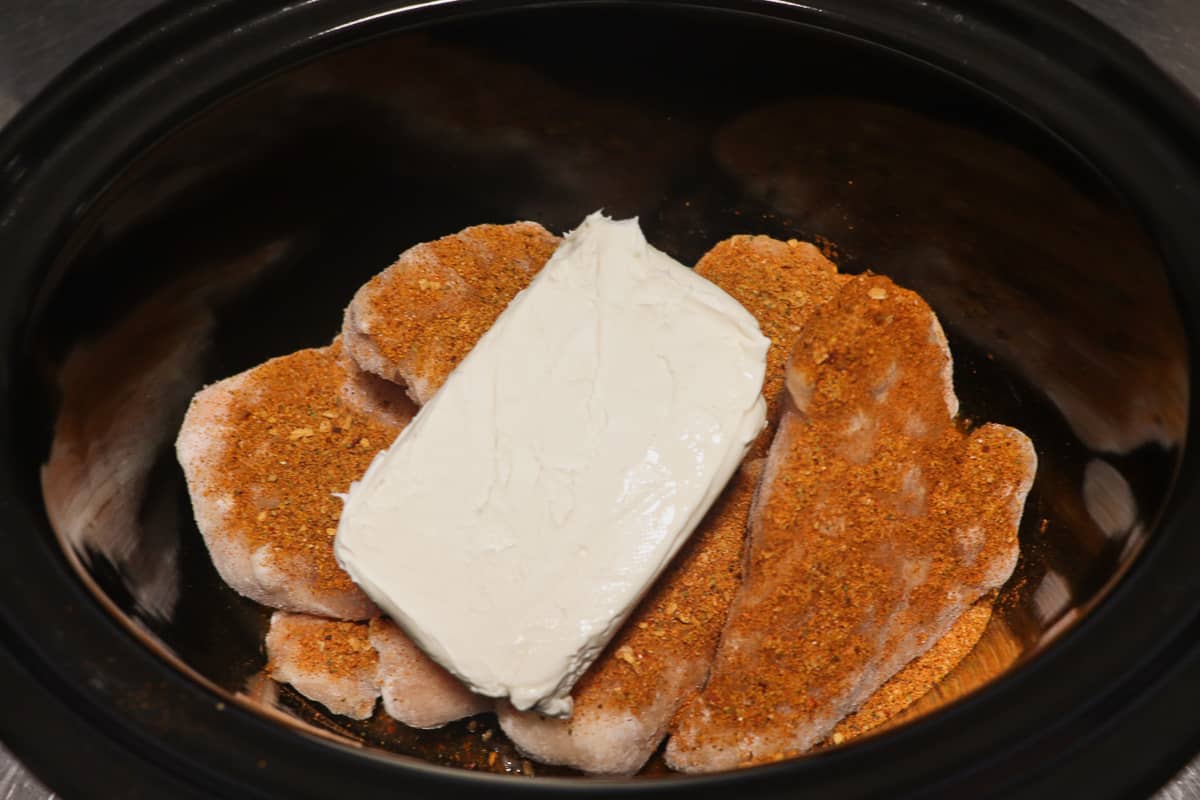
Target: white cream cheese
[{"x": 515, "y": 523}]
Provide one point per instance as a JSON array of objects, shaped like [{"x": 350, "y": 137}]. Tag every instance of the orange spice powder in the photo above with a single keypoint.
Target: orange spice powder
[
  {"x": 921, "y": 675},
  {"x": 294, "y": 442},
  {"x": 297, "y": 443},
  {"x": 322, "y": 646},
  {"x": 677, "y": 624},
  {"x": 875, "y": 510},
  {"x": 781, "y": 284},
  {"x": 426, "y": 311}
]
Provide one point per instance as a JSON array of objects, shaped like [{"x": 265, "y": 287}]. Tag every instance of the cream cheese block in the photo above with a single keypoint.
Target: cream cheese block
[{"x": 516, "y": 522}]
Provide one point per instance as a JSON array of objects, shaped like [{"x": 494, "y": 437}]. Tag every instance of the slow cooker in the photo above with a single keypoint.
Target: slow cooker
[{"x": 207, "y": 188}]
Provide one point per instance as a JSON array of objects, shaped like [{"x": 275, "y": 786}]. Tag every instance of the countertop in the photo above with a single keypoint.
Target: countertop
[{"x": 38, "y": 38}]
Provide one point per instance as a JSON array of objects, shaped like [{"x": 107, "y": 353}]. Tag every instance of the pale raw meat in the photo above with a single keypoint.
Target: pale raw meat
[
  {"x": 782, "y": 284},
  {"x": 269, "y": 531},
  {"x": 371, "y": 395},
  {"x": 539, "y": 477},
  {"x": 662, "y": 654},
  {"x": 325, "y": 660},
  {"x": 347, "y": 666},
  {"x": 415, "y": 321},
  {"x": 416, "y": 691},
  {"x": 878, "y": 523}
]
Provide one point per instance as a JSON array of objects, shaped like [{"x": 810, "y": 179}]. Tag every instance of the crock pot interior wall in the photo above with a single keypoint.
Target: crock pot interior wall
[{"x": 242, "y": 234}]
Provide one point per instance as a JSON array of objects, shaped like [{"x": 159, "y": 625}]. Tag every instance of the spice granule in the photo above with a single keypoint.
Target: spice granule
[
  {"x": 879, "y": 512},
  {"x": 282, "y": 466},
  {"x": 328, "y": 647},
  {"x": 781, "y": 284},
  {"x": 426, "y": 311},
  {"x": 679, "y": 620}
]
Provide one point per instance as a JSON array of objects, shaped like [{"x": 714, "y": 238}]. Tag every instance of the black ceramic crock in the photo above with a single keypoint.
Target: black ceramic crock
[{"x": 241, "y": 167}]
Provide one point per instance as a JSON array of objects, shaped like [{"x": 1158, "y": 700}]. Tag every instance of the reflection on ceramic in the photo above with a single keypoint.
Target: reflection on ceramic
[
  {"x": 1027, "y": 265},
  {"x": 505, "y": 118},
  {"x": 1108, "y": 498},
  {"x": 122, "y": 398},
  {"x": 1052, "y": 597}
]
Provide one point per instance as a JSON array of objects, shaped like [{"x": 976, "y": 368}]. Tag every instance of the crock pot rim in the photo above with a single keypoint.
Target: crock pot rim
[{"x": 73, "y": 138}]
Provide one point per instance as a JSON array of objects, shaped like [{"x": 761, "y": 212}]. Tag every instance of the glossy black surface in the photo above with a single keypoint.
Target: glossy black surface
[{"x": 241, "y": 234}]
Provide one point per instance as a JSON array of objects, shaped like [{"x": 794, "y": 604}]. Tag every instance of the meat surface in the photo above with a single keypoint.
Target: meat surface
[
  {"x": 662, "y": 654},
  {"x": 781, "y": 284},
  {"x": 328, "y": 661},
  {"x": 259, "y": 483},
  {"x": 347, "y": 666},
  {"x": 412, "y": 323},
  {"x": 370, "y": 395},
  {"x": 951, "y": 210},
  {"x": 417, "y": 691},
  {"x": 910, "y": 687},
  {"x": 879, "y": 521},
  {"x": 264, "y": 453}
]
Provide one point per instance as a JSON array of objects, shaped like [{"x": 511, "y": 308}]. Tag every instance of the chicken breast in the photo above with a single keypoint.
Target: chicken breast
[
  {"x": 625, "y": 702},
  {"x": 264, "y": 454},
  {"x": 328, "y": 661},
  {"x": 370, "y": 395},
  {"x": 347, "y": 666},
  {"x": 781, "y": 284},
  {"x": 909, "y": 688},
  {"x": 950, "y": 210},
  {"x": 661, "y": 655},
  {"x": 417, "y": 691},
  {"x": 415, "y": 321},
  {"x": 879, "y": 521}
]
